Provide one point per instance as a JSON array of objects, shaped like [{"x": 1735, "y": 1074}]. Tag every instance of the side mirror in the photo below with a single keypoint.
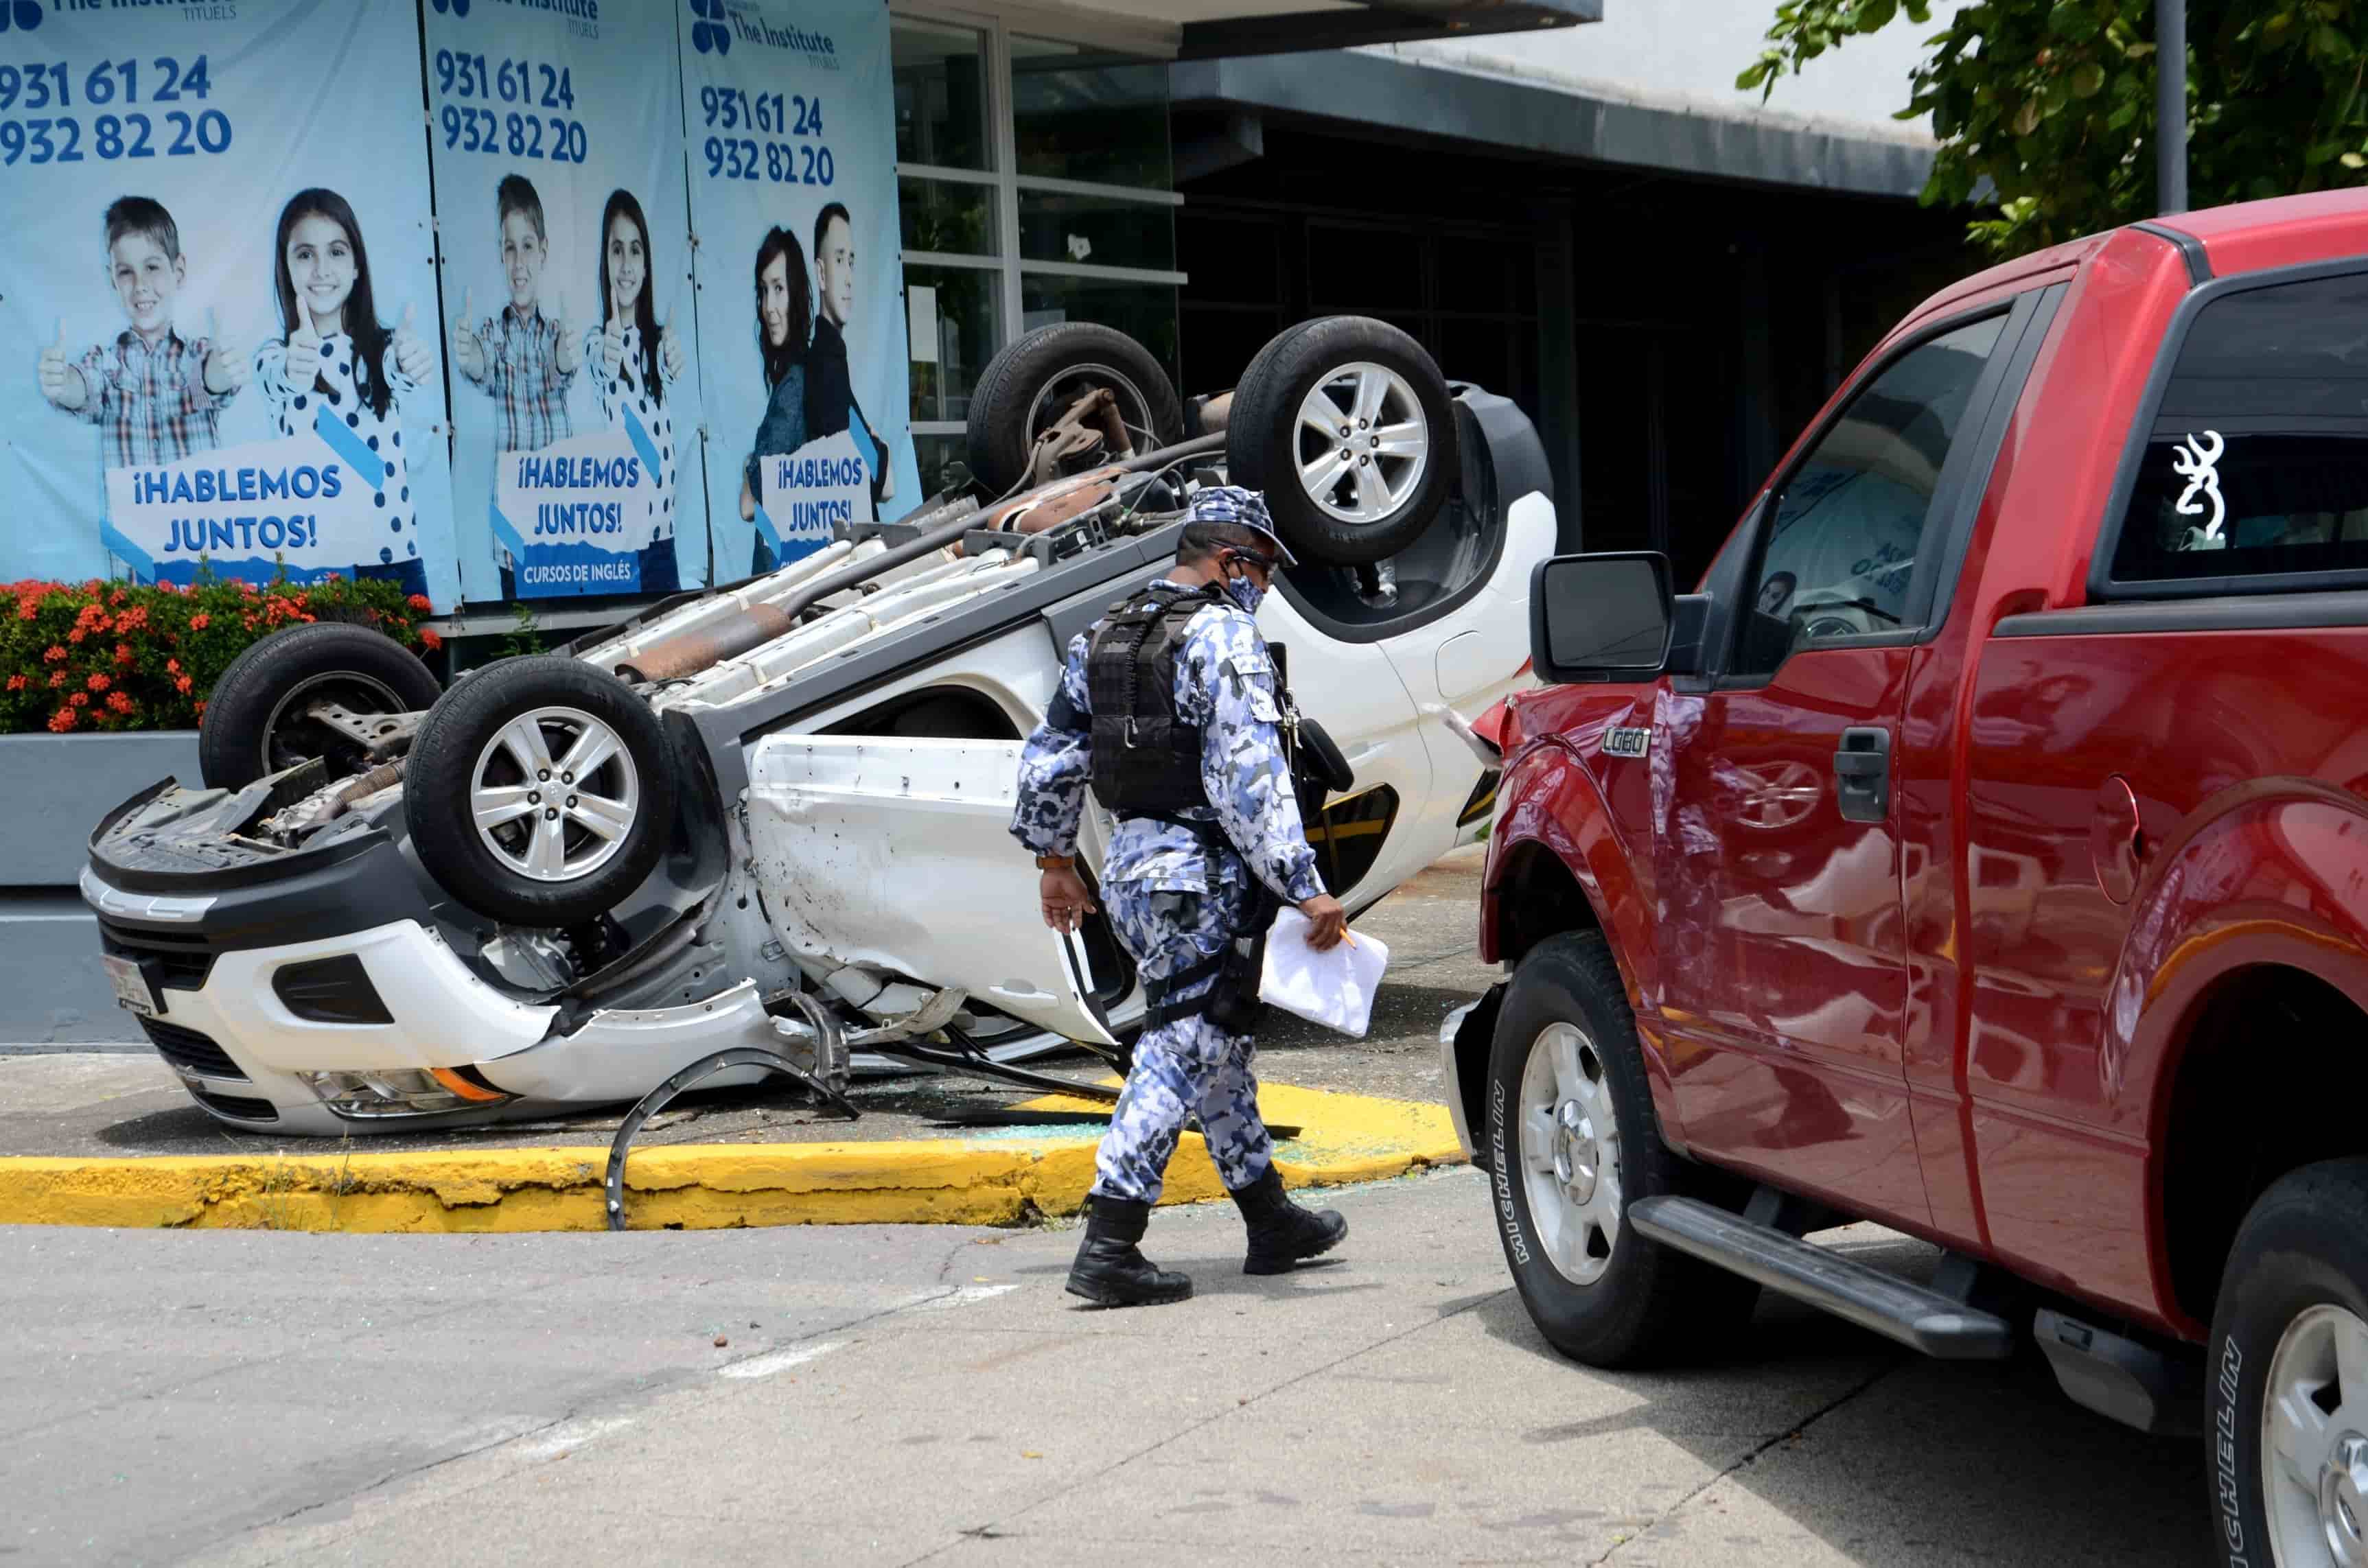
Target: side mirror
[{"x": 1601, "y": 617}]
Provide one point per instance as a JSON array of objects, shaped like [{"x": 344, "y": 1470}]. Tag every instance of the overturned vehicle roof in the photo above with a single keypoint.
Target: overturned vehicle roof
[{"x": 761, "y": 828}]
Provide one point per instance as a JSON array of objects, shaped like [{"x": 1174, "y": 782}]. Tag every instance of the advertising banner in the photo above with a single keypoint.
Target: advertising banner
[
  {"x": 558, "y": 148},
  {"x": 219, "y": 284},
  {"x": 790, "y": 110}
]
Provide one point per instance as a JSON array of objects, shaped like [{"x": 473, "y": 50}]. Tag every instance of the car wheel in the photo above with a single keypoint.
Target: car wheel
[
  {"x": 2285, "y": 1436},
  {"x": 540, "y": 791},
  {"x": 1572, "y": 1141},
  {"x": 257, "y": 719},
  {"x": 1026, "y": 389},
  {"x": 1346, "y": 425}
]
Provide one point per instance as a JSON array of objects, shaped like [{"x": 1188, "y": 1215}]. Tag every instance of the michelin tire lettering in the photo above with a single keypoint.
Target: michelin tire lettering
[{"x": 1497, "y": 1166}]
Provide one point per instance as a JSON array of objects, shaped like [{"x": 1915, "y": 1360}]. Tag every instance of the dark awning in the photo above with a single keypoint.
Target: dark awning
[{"x": 1342, "y": 25}]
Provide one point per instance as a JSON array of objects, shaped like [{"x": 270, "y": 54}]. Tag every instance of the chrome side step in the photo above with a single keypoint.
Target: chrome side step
[{"x": 1916, "y": 1315}]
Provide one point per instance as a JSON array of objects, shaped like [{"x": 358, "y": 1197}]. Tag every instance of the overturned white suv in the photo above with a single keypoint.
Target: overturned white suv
[{"x": 762, "y": 827}]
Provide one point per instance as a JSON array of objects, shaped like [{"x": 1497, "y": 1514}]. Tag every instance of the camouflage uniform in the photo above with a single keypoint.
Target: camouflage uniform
[{"x": 1174, "y": 901}]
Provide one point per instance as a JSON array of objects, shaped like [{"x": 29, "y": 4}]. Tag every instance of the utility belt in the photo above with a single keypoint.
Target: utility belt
[{"x": 1231, "y": 1003}]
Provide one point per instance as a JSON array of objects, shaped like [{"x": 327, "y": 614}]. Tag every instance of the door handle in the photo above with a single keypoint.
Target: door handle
[{"x": 1863, "y": 774}]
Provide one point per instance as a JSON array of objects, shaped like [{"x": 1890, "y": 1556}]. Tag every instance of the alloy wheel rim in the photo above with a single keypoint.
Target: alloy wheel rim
[
  {"x": 2313, "y": 1449},
  {"x": 1570, "y": 1152},
  {"x": 554, "y": 794},
  {"x": 1363, "y": 444}
]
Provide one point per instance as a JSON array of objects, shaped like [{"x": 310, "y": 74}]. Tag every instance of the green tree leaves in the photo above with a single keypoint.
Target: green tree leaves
[{"x": 2051, "y": 102}]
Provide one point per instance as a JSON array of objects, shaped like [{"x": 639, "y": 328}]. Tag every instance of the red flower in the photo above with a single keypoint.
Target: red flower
[
  {"x": 76, "y": 635},
  {"x": 199, "y": 622},
  {"x": 16, "y": 683},
  {"x": 430, "y": 639},
  {"x": 61, "y": 720},
  {"x": 79, "y": 698},
  {"x": 118, "y": 701},
  {"x": 123, "y": 652},
  {"x": 182, "y": 685},
  {"x": 27, "y": 609},
  {"x": 171, "y": 666},
  {"x": 56, "y": 654},
  {"x": 201, "y": 708},
  {"x": 57, "y": 678},
  {"x": 419, "y": 602},
  {"x": 98, "y": 683}
]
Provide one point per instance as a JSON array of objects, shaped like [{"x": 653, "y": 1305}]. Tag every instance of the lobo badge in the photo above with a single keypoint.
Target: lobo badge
[{"x": 1627, "y": 741}]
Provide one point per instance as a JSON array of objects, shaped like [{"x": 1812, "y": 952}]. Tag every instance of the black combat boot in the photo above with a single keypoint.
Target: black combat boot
[
  {"x": 1282, "y": 1234},
  {"x": 1110, "y": 1270}
]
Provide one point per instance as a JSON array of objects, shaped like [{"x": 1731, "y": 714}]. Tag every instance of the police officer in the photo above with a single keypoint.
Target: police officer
[{"x": 1169, "y": 708}]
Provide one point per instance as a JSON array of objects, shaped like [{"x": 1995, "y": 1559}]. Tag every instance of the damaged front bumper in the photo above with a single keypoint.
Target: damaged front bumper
[{"x": 317, "y": 991}]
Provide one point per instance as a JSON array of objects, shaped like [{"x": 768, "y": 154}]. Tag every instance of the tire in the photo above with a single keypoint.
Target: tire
[
  {"x": 1255, "y": 371},
  {"x": 252, "y": 724},
  {"x": 1381, "y": 503},
  {"x": 568, "y": 868},
  {"x": 1028, "y": 385},
  {"x": 2296, "y": 1284},
  {"x": 1614, "y": 1299}
]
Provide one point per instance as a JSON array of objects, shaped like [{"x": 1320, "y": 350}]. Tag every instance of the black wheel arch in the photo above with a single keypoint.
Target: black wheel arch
[
  {"x": 1534, "y": 896},
  {"x": 2229, "y": 1122}
]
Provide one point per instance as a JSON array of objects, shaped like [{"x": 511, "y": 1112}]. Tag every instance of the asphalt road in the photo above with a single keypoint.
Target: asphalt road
[
  {"x": 898, "y": 1395},
  {"x": 905, "y": 1395},
  {"x": 127, "y": 1102}
]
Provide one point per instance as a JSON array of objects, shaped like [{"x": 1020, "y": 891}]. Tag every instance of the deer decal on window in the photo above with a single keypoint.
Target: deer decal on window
[{"x": 2195, "y": 460}]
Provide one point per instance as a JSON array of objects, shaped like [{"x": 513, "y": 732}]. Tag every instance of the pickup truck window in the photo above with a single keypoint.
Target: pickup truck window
[
  {"x": 1851, "y": 518},
  {"x": 2256, "y": 463}
]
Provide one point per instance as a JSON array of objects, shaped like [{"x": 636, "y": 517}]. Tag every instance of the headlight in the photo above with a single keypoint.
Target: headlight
[{"x": 402, "y": 1091}]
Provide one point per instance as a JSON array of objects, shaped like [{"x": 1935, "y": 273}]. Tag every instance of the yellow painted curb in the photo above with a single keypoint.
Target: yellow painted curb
[{"x": 992, "y": 1180}]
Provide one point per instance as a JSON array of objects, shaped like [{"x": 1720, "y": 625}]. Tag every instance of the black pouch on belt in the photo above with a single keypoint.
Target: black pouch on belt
[{"x": 1234, "y": 1007}]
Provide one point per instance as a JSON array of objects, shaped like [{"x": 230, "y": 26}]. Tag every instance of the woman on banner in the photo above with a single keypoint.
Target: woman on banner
[
  {"x": 339, "y": 372},
  {"x": 633, "y": 358},
  {"x": 785, "y": 321}
]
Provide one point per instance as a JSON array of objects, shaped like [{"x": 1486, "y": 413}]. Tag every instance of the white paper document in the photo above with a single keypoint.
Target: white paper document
[{"x": 1335, "y": 989}]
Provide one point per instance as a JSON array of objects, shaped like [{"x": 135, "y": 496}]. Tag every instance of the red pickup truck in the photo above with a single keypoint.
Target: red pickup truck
[{"x": 1982, "y": 851}]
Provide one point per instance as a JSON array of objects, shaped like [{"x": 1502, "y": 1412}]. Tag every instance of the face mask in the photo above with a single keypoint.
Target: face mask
[{"x": 1245, "y": 593}]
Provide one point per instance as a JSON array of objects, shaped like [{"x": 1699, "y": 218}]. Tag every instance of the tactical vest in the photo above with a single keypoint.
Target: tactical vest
[{"x": 1145, "y": 762}]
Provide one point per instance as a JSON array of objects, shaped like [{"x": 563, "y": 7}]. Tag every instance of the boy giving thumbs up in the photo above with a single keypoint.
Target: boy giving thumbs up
[{"x": 155, "y": 396}]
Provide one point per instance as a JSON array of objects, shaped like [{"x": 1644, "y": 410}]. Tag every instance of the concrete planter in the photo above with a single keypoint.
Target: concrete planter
[{"x": 56, "y": 788}]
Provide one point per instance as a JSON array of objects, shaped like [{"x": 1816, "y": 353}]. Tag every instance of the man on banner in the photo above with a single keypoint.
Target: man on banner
[{"x": 830, "y": 389}]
